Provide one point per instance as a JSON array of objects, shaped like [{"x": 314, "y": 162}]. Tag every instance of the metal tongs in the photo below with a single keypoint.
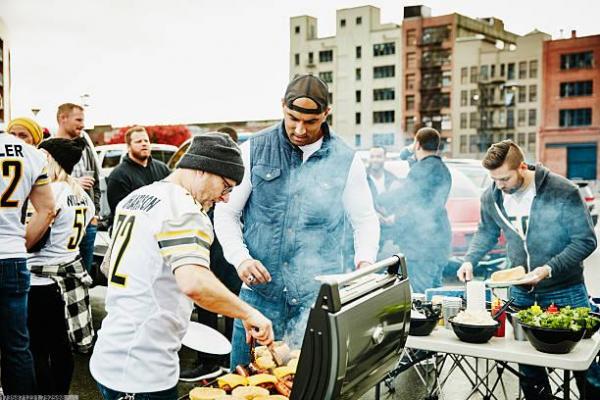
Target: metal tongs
[{"x": 503, "y": 308}]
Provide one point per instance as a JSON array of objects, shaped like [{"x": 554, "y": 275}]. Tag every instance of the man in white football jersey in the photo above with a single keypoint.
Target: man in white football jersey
[
  {"x": 159, "y": 266},
  {"x": 60, "y": 317},
  {"x": 22, "y": 176}
]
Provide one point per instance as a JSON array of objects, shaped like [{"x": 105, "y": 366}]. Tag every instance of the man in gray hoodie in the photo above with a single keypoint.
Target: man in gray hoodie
[{"x": 548, "y": 231}]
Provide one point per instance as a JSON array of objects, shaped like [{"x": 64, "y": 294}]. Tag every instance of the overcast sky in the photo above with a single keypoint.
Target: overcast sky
[{"x": 182, "y": 61}]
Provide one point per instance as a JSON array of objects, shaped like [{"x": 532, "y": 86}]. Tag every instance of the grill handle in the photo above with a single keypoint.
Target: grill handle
[{"x": 396, "y": 265}]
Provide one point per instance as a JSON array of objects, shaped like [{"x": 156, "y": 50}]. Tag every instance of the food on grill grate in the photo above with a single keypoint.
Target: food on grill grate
[
  {"x": 295, "y": 353},
  {"x": 206, "y": 393},
  {"x": 265, "y": 362},
  {"x": 271, "y": 397},
  {"x": 281, "y": 353},
  {"x": 250, "y": 392},
  {"x": 231, "y": 381},
  {"x": 293, "y": 363}
]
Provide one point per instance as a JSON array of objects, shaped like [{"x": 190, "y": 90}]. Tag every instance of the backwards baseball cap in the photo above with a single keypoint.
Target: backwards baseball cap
[
  {"x": 308, "y": 86},
  {"x": 216, "y": 153}
]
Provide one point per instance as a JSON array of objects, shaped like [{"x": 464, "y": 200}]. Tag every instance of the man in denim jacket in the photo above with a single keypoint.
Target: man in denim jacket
[
  {"x": 548, "y": 231},
  {"x": 302, "y": 183}
]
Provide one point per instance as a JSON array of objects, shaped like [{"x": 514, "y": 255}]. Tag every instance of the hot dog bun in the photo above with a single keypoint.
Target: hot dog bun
[{"x": 511, "y": 274}]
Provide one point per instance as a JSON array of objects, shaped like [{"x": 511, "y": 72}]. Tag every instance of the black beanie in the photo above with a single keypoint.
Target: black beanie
[
  {"x": 216, "y": 153},
  {"x": 66, "y": 152}
]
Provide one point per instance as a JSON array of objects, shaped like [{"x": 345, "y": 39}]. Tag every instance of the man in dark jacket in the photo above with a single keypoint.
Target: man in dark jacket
[
  {"x": 136, "y": 170},
  {"x": 548, "y": 231},
  {"x": 422, "y": 225}
]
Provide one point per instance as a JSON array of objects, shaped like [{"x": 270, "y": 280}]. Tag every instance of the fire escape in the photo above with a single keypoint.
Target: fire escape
[{"x": 435, "y": 59}]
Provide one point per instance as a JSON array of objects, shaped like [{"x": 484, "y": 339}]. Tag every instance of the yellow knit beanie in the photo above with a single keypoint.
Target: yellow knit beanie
[{"x": 31, "y": 126}]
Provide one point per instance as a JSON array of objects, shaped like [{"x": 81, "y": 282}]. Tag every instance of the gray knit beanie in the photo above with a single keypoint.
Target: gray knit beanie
[{"x": 216, "y": 153}]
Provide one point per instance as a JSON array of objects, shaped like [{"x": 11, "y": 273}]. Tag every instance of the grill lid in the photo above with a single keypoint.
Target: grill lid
[{"x": 355, "y": 333}]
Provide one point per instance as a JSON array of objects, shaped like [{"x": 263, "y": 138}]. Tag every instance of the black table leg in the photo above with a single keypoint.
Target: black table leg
[
  {"x": 378, "y": 391},
  {"x": 567, "y": 384}
]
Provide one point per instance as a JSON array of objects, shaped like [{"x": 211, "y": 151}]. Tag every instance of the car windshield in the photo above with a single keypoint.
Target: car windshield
[{"x": 112, "y": 158}]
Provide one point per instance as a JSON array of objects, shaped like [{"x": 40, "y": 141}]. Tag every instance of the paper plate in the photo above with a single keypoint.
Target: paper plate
[{"x": 206, "y": 339}]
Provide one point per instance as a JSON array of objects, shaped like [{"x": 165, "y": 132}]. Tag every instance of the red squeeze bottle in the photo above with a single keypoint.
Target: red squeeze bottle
[
  {"x": 552, "y": 309},
  {"x": 501, "y": 319}
]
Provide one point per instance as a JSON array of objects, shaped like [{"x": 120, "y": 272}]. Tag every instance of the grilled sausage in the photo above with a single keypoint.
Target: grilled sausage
[
  {"x": 282, "y": 389},
  {"x": 240, "y": 370}
]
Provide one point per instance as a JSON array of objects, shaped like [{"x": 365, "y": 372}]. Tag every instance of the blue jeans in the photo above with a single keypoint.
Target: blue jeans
[
  {"x": 535, "y": 382},
  {"x": 109, "y": 394},
  {"x": 18, "y": 376},
  {"x": 289, "y": 323},
  {"x": 86, "y": 247}
]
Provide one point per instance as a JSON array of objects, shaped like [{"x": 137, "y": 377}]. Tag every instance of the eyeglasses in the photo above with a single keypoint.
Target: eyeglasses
[{"x": 228, "y": 187}]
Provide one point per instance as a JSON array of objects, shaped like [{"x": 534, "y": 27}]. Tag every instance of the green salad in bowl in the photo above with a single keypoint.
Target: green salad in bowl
[{"x": 574, "y": 319}]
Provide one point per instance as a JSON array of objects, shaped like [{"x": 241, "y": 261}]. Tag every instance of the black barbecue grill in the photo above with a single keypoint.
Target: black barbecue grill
[{"x": 355, "y": 333}]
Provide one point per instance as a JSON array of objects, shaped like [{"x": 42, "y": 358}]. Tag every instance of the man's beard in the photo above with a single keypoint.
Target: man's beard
[
  {"x": 516, "y": 188},
  {"x": 140, "y": 156}
]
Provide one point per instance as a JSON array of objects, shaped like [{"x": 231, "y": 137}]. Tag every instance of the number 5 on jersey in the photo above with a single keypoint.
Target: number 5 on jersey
[{"x": 123, "y": 228}]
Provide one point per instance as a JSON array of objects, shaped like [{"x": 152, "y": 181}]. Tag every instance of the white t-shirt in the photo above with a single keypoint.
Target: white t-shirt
[
  {"x": 518, "y": 208},
  {"x": 379, "y": 183},
  {"x": 157, "y": 229},
  {"x": 73, "y": 215},
  {"x": 21, "y": 167}
]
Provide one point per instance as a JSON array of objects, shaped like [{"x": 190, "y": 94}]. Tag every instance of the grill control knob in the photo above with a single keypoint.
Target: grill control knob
[{"x": 378, "y": 334}]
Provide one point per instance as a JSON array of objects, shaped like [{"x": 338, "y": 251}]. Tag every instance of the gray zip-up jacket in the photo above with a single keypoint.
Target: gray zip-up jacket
[{"x": 560, "y": 232}]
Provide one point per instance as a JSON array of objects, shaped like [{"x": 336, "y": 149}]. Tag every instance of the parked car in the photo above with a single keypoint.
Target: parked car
[
  {"x": 588, "y": 196},
  {"x": 110, "y": 155},
  {"x": 473, "y": 170}
]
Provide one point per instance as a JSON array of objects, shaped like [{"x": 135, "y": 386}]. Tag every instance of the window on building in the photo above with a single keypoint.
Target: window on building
[
  {"x": 510, "y": 72},
  {"x": 410, "y": 102},
  {"x": 575, "y": 117},
  {"x": 330, "y": 97},
  {"x": 474, "y": 74},
  {"x": 473, "y": 144},
  {"x": 342, "y": 23},
  {"x": 492, "y": 70},
  {"x": 464, "y": 75},
  {"x": 296, "y": 29},
  {"x": 446, "y": 78},
  {"x": 357, "y": 96},
  {"x": 296, "y": 59},
  {"x": 523, "y": 70},
  {"x": 357, "y": 118},
  {"x": 510, "y": 118},
  {"x": 502, "y": 69},
  {"x": 357, "y": 140},
  {"x": 532, "y": 117},
  {"x": 474, "y": 95},
  {"x": 410, "y": 81},
  {"x": 326, "y": 76},
  {"x": 329, "y": 119},
  {"x": 385, "y": 71},
  {"x": 577, "y": 60},
  {"x": 410, "y": 125},
  {"x": 580, "y": 88},
  {"x": 531, "y": 142},
  {"x": 532, "y": 93},
  {"x": 463, "y": 120},
  {"x": 510, "y": 136},
  {"x": 474, "y": 120},
  {"x": 383, "y": 117},
  {"x": 357, "y": 74},
  {"x": 326, "y": 56},
  {"x": 522, "y": 94},
  {"x": 521, "y": 139},
  {"x": 383, "y": 139},
  {"x": 533, "y": 68},
  {"x": 521, "y": 115},
  {"x": 464, "y": 98},
  {"x": 358, "y": 52},
  {"x": 358, "y": 20},
  {"x": 311, "y": 58},
  {"x": 384, "y": 49},
  {"x": 483, "y": 72},
  {"x": 411, "y": 37},
  {"x": 411, "y": 60},
  {"x": 463, "y": 144}
]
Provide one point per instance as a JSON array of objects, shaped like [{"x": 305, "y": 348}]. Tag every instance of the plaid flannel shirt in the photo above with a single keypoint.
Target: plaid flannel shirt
[{"x": 73, "y": 282}]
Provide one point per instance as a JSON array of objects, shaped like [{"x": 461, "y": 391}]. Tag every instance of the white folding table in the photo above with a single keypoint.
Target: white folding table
[{"x": 501, "y": 351}]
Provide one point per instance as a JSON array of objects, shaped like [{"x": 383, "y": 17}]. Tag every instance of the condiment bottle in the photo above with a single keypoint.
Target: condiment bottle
[
  {"x": 496, "y": 306},
  {"x": 552, "y": 309},
  {"x": 535, "y": 308}
]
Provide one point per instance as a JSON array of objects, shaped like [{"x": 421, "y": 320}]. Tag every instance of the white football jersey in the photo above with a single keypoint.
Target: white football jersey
[
  {"x": 73, "y": 215},
  {"x": 21, "y": 167},
  {"x": 157, "y": 229}
]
